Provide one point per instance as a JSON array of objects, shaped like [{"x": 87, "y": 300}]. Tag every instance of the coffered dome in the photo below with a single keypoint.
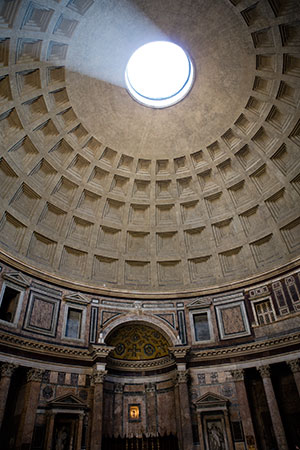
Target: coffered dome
[{"x": 102, "y": 193}]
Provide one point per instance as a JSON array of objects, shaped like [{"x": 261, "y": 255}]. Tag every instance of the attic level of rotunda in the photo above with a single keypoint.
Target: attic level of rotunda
[{"x": 149, "y": 254}]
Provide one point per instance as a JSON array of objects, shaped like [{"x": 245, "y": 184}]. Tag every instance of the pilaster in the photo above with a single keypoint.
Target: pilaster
[
  {"x": 31, "y": 401},
  {"x": 6, "y": 372},
  {"x": 97, "y": 418},
  {"x": 244, "y": 408}
]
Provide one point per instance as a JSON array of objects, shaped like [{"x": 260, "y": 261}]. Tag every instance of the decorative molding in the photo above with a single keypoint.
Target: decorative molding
[
  {"x": 265, "y": 371},
  {"x": 23, "y": 343},
  {"x": 100, "y": 350},
  {"x": 180, "y": 352},
  {"x": 253, "y": 347},
  {"x": 200, "y": 303},
  {"x": 7, "y": 369},
  {"x": 211, "y": 401},
  {"x": 16, "y": 278},
  {"x": 66, "y": 402},
  {"x": 35, "y": 375},
  {"x": 154, "y": 364}
]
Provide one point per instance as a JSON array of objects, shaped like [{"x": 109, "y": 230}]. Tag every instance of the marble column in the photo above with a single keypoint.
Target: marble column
[
  {"x": 31, "y": 401},
  {"x": 150, "y": 389},
  {"x": 96, "y": 431},
  {"x": 279, "y": 432},
  {"x": 238, "y": 376},
  {"x": 186, "y": 420},
  {"x": 294, "y": 365},
  {"x": 118, "y": 410},
  {"x": 49, "y": 430},
  {"x": 6, "y": 371}
]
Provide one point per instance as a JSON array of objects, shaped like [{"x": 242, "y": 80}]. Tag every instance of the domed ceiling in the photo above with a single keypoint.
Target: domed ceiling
[{"x": 102, "y": 193}]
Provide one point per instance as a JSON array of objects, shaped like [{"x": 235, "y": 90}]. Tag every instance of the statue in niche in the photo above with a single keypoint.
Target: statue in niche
[
  {"x": 215, "y": 437},
  {"x": 61, "y": 442}
]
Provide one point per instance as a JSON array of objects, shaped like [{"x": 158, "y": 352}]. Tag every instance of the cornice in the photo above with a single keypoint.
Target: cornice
[
  {"x": 245, "y": 349},
  {"x": 89, "y": 355},
  {"x": 25, "y": 344},
  {"x": 166, "y": 361}
]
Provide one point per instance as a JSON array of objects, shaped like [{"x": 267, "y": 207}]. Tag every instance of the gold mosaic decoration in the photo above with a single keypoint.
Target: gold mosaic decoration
[{"x": 138, "y": 342}]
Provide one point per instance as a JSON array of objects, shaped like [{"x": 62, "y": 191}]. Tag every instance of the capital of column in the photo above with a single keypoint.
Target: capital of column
[
  {"x": 238, "y": 374},
  {"x": 98, "y": 376},
  {"x": 182, "y": 376},
  {"x": 265, "y": 371},
  {"x": 150, "y": 387},
  {"x": 35, "y": 375},
  {"x": 7, "y": 369},
  {"x": 294, "y": 365},
  {"x": 119, "y": 388}
]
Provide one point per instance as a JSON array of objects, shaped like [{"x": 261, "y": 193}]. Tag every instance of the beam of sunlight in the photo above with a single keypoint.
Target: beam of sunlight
[{"x": 106, "y": 37}]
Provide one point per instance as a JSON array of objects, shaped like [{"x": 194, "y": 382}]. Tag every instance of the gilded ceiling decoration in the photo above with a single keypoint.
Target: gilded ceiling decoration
[
  {"x": 100, "y": 192},
  {"x": 138, "y": 342}
]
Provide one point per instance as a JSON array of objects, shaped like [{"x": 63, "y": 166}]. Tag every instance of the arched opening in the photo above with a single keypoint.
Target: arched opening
[{"x": 139, "y": 389}]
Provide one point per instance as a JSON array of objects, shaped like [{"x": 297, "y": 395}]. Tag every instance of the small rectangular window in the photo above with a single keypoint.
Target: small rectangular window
[
  {"x": 9, "y": 304},
  {"x": 201, "y": 327},
  {"x": 264, "y": 312},
  {"x": 73, "y": 325}
]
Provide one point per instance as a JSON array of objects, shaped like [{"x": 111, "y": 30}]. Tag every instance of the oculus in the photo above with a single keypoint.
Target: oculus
[{"x": 159, "y": 74}]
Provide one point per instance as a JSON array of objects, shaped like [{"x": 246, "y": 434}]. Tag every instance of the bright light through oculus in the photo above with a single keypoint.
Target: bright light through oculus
[{"x": 159, "y": 74}]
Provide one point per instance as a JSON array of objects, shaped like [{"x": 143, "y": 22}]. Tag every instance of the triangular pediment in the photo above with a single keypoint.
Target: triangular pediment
[
  {"x": 210, "y": 399},
  {"x": 77, "y": 298},
  {"x": 200, "y": 303},
  {"x": 66, "y": 401},
  {"x": 16, "y": 278}
]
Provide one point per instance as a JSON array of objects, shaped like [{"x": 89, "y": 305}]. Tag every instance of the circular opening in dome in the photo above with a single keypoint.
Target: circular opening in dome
[{"x": 159, "y": 74}]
